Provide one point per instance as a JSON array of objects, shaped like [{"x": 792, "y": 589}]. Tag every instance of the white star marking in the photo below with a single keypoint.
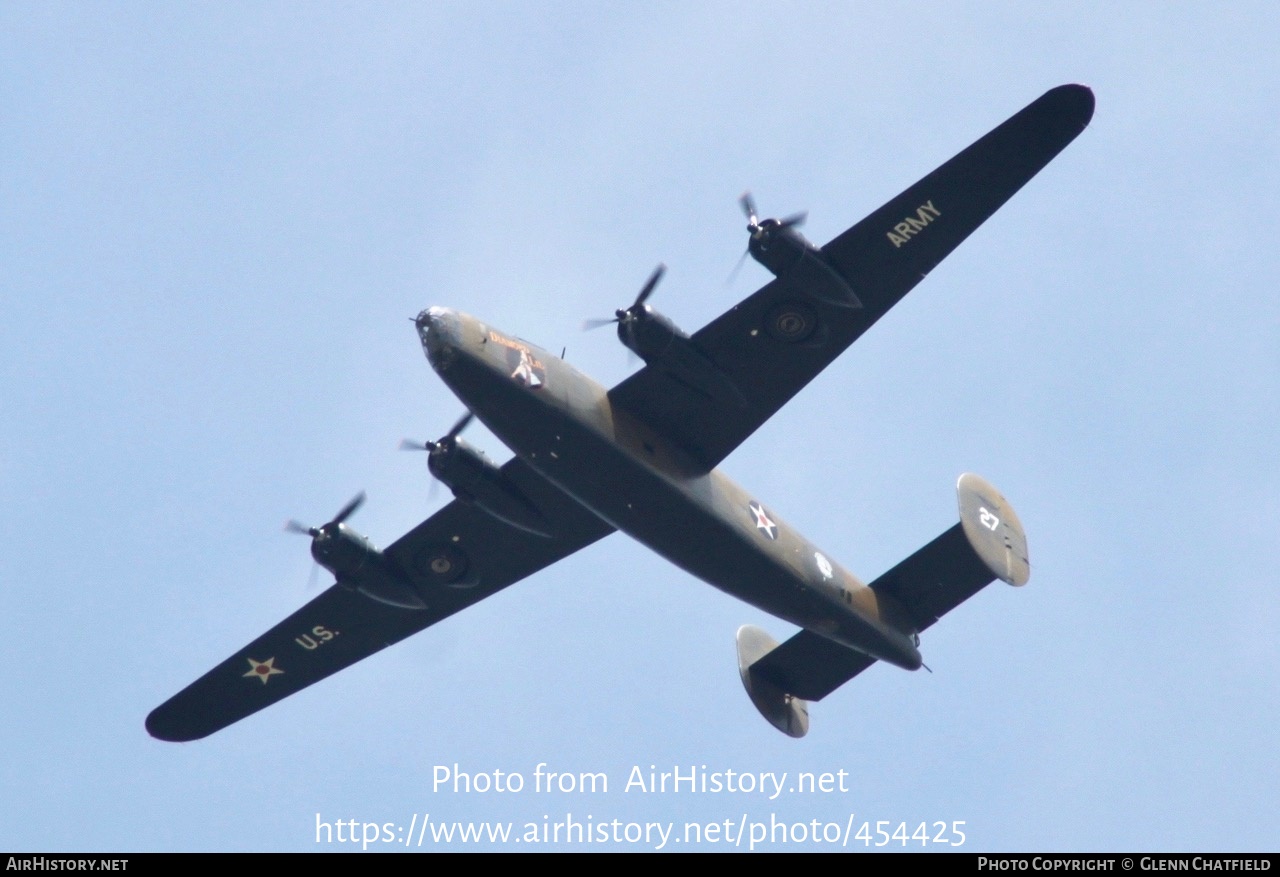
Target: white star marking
[
  {"x": 824, "y": 565},
  {"x": 263, "y": 670},
  {"x": 763, "y": 522}
]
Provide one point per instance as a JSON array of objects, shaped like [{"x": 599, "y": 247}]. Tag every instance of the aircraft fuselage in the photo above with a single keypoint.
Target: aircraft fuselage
[{"x": 564, "y": 426}]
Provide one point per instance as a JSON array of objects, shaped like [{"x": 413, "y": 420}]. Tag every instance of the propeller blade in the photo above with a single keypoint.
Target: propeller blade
[
  {"x": 650, "y": 284},
  {"x": 622, "y": 315},
  {"x": 588, "y": 325},
  {"x": 733, "y": 275},
  {"x": 753, "y": 219},
  {"x": 293, "y": 526},
  {"x": 349, "y": 509},
  {"x": 463, "y": 422}
]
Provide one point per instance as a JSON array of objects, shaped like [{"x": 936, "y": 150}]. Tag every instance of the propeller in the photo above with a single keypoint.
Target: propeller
[
  {"x": 320, "y": 535},
  {"x": 445, "y": 443},
  {"x": 761, "y": 230},
  {"x": 626, "y": 315},
  {"x": 347, "y": 511},
  {"x": 756, "y": 227}
]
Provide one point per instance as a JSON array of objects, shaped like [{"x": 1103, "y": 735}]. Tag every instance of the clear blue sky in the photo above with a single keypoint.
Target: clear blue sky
[{"x": 215, "y": 219}]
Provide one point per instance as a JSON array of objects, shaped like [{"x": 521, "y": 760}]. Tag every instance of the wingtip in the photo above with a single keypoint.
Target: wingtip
[
  {"x": 159, "y": 726},
  {"x": 1080, "y": 97}
]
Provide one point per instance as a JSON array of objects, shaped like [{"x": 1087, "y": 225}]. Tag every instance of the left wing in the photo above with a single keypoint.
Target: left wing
[
  {"x": 341, "y": 626},
  {"x": 773, "y": 343}
]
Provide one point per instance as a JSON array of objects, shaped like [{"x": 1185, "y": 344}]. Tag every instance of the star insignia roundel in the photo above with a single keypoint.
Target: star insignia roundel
[
  {"x": 263, "y": 670},
  {"x": 764, "y": 523}
]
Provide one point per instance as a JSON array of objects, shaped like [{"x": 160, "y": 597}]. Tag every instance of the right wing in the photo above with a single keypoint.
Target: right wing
[
  {"x": 340, "y": 627},
  {"x": 776, "y": 341}
]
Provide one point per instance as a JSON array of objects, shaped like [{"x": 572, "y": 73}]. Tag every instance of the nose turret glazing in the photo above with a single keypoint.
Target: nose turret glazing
[{"x": 436, "y": 331}]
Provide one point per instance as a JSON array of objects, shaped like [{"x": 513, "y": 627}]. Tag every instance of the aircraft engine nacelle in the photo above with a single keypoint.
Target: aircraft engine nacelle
[
  {"x": 647, "y": 333},
  {"x": 358, "y": 566},
  {"x": 800, "y": 265},
  {"x": 342, "y": 551},
  {"x": 474, "y": 479},
  {"x": 660, "y": 343}
]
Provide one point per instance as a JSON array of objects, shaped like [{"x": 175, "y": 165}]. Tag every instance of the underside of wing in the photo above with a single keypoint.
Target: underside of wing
[
  {"x": 773, "y": 343},
  {"x": 455, "y": 558},
  {"x": 333, "y": 631}
]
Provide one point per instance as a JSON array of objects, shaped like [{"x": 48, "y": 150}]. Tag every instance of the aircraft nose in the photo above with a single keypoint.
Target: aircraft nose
[{"x": 435, "y": 328}]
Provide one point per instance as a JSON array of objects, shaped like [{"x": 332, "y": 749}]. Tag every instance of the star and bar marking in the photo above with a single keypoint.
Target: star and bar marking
[
  {"x": 764, "y": 523},
  {"x": 263, "y": 670}
]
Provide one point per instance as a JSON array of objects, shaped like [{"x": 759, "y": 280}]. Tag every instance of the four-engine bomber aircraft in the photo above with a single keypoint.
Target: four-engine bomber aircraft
[{"x": 642, "y": 457}]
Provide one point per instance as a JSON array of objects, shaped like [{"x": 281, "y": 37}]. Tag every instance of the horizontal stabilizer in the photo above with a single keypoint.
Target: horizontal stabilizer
[
  {"x": 810, "y": 666},
  {"x": 986, "y": 545}
]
